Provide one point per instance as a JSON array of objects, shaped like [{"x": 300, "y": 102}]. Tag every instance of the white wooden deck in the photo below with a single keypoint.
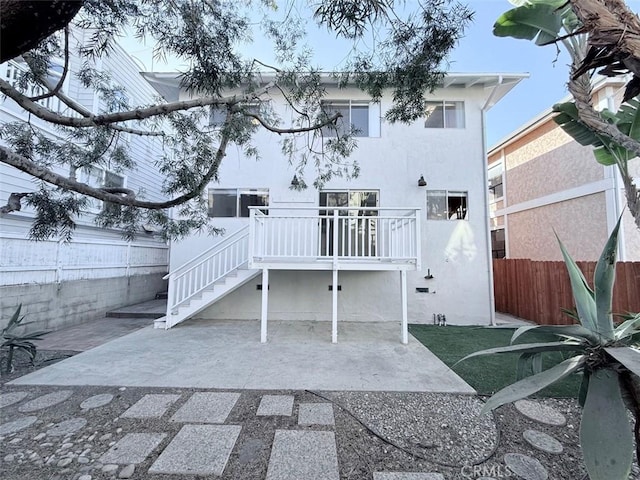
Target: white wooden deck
[{"x": 319, "y": 238}]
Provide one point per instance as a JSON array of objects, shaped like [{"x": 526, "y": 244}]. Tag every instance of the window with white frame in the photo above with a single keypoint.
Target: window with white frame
[
  {"x": 99, "y": 177},
  {"x": 498, "y": 243},
  {"x": 235, "y": 202},
  {"x": 445, "y": 114},
  {"x": 447, "y": 205},
  {"x": 496, "y": 189},
  {"x": 355, "y": 117}
]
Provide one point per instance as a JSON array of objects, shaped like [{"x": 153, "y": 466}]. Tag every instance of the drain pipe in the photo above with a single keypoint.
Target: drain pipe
[{"x": 492, "y": 296}]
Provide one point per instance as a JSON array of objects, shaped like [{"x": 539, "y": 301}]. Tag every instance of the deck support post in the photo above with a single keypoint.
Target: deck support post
[
  {"x": 334, "y": 317},
  {"x": 265, "y": 305},
  {"x": 403, "y": 290}
]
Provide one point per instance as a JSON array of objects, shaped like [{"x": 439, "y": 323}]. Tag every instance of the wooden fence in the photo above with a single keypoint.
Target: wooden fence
[{"x": 537, "y": 291}]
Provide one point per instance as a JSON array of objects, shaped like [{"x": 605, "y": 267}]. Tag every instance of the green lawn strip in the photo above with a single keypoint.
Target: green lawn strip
[{"x": 490, "y": 373}]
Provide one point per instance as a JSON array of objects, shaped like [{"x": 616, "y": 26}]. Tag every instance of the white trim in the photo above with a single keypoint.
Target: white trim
[
  {"x": 403, "y": 300},
  {"x": 562, "y": 196},
  {"x": 265, "y": 305}
]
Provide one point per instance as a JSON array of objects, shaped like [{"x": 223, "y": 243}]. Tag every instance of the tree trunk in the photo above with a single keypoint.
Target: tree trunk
[{"x": 25, "y": 23}]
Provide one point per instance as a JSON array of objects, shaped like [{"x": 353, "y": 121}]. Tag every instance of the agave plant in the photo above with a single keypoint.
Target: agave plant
[
  {"x": 606, "y": 357},
  {"x": 19, "y": 341}
]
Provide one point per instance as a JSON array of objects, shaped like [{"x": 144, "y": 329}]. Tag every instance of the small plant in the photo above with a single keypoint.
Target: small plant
[
  {"x": 602, "y": 353},
  {"x": 19, "y": 341}
]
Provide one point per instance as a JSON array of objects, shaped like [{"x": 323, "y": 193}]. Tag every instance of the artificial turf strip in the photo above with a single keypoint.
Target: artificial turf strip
[{"x": 490, "y": 373}]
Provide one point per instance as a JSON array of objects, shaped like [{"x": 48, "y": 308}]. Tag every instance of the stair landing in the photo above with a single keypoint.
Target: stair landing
[{"x": 151, "y": 309}]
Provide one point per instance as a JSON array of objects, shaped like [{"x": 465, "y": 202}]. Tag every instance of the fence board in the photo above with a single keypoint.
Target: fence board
[{"x": 538, "y": 291}]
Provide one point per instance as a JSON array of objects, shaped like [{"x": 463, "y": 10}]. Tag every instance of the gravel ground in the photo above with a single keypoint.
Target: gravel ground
[{"x": 375, "y": 431}]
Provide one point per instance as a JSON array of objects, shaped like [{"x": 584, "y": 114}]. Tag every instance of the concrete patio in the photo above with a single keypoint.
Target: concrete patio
[{"x": 229, "y": 355}]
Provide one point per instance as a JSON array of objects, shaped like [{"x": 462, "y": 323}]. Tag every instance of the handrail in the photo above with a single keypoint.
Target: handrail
[
  {"x": 212, "y": 266},
  {"x": 226, "y": 241},
  {"x": 333, "y": 207}
]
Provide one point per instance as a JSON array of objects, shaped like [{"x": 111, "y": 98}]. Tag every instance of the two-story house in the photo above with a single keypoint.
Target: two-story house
[
  {"x": 542, "y": 182},
  {"x": 407, "y": 239}
]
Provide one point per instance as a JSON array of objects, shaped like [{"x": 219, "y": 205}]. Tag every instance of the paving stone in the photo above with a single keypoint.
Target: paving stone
[
  {"x": 67, "y": 427},
  {"x": 316, "y": 414},
  {"x": 275, "y": 405},
  {"x": 45, "y": 401},
  {"x": 127, "y": 472},
  {"x": 151, "y": 406},
  {"x": 207, "y": 407},
  {"x": 542, "y": 441},
  {"x": 526, "y": 467},
  {"x": 407, "y": 476},
  {"x": 96, "y": 401},
  {"x": 198, "y": 450},
  {"x": 17, "y": 425},
  {"x": 303, "y": 454},
  {"x": 540, "y": 413},
  {"x": 132, "y": 448},
  {"x": 10, "y": 398}
]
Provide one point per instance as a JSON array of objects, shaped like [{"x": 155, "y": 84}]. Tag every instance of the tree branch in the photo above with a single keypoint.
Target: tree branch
[
  {"x": 109, "y": 118},
  {"x": 112, "y": 195},
  {"x": 279, "y": 131},
  {"x": 25, "y": 23},
  {"x": 57, "y": 88}
]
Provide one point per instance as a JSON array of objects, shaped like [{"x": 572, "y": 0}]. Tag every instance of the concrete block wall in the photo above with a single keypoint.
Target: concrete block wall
[{"x": 53, "y": 306}]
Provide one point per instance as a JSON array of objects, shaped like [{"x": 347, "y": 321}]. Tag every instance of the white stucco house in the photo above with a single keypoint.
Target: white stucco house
[
  {"x": 407, "y": 239},
  {"x": 60, "y": 284}
]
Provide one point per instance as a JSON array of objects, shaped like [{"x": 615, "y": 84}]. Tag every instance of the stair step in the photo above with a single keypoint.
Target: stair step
[{"x": 160, "y": 322}]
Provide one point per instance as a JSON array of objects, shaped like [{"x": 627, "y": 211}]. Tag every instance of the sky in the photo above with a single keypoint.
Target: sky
[{"x": 479, "y": 51}]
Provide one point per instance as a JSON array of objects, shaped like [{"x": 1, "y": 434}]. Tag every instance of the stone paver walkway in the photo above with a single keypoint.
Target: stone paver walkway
[{"x": 203, "y": 436}]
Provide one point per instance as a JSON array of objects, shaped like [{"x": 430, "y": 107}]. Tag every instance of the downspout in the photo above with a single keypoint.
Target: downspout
[{"x": 492, "y": 297}]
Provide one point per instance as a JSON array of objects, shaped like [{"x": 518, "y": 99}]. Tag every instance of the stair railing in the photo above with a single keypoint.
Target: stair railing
[{"x": 204, "y": 270}]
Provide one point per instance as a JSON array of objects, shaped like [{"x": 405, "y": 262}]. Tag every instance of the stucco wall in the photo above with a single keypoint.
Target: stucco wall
[
  {"x": 453, "y": 251},
  {"x": 531, "y": 231},
  {"x": 550, "y": 164}
]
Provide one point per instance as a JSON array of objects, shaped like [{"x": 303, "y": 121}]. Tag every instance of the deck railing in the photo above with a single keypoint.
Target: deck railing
[{"x": 334, "y": 234}]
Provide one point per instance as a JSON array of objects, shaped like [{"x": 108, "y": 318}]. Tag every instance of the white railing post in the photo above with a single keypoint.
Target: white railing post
[
  {"x": 252, "y": 235},
  {"x": 335, "y": 239},
  {"x": 418, "y": 240}
]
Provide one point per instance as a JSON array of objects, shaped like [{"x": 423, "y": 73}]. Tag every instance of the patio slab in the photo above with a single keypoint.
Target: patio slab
[{"x": 227, "y": 354}]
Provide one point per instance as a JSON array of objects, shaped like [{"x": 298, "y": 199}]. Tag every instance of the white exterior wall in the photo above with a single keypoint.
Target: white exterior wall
[
  {"x": 449, "y": 159},
  {"x": 28, "y": 269}
]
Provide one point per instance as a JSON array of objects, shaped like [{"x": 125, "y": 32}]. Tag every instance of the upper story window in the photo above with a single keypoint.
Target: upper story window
[
  {"x": 496, "y": 188},
  {"x": 218, "y": 114},
  {"x": 235, "y": 202},
  {"x": 447, "y": 205},
  {"x": 445, "y": 114},
  {"x": 99, "y": 177},
  {"x": 355, "y": 116}
]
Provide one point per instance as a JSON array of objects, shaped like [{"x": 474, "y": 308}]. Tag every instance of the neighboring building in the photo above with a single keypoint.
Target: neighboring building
[
  {"x": 541, "y": 180},
  {"x": 335, "y": 254},
  {"x": 65, "y": 283}
]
